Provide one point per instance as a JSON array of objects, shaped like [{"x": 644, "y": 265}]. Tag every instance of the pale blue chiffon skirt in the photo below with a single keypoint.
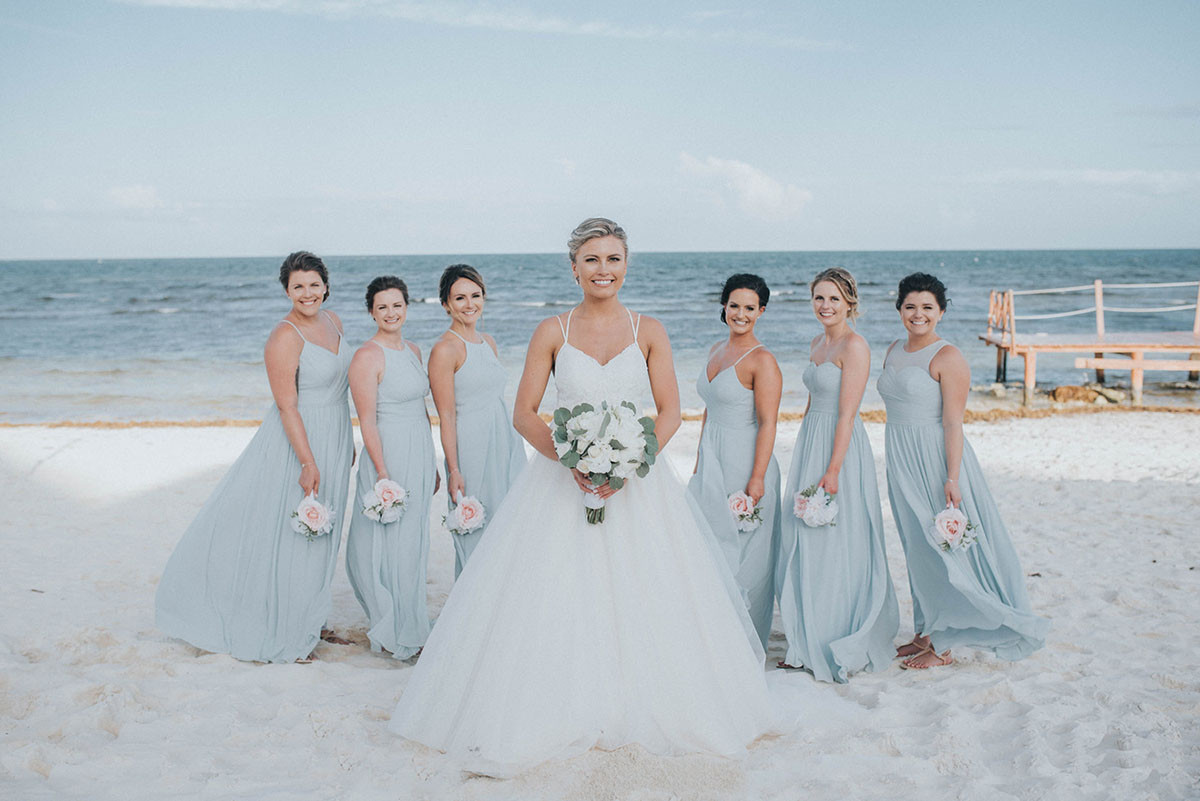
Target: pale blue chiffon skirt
[{"x": 836, "y": 598}]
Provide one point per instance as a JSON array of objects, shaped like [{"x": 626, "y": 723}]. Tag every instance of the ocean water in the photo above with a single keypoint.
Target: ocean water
[{"x": 176, "y": 339}]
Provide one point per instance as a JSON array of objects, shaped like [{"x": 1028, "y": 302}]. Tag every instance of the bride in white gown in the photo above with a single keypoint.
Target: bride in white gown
[{"x": 559, "y": 635}]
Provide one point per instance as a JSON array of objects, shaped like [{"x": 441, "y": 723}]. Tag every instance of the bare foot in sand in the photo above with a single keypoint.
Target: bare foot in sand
[
  {"x": 918, "y": 644},
  {"x": 328, "y": 636}
]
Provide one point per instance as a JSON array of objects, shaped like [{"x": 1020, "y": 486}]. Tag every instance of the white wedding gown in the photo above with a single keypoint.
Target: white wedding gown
[{"x": 560, "y": 635}]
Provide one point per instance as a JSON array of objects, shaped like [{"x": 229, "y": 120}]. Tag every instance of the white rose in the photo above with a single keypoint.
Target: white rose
[{"x": 562, "y": 448}]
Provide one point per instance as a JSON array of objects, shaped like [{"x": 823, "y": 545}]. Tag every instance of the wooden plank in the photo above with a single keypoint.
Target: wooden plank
[
  {"x": 1030, "y": 377},
  {"x": 1170, "y": 365}
]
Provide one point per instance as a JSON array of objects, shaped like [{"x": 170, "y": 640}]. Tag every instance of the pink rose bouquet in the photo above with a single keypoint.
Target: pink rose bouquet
[
  {"x": 466, "y": 517},
  {"x": 815, "y": 507},
  {"x": 747, "y": 515},
  {"x": 952, "y": 530},
  {"x": 312, "y": 518},
  {"x": 386, "y": 502}
]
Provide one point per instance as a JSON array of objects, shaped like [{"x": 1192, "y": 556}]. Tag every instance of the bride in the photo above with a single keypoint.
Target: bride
[{"x": 560, "y": 636}]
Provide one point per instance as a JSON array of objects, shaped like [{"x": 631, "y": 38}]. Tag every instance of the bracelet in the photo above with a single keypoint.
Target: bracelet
[
  {"x": 306, "y": 464},
  {"x": 452, "y": 472},
  {"x": 951, "y": 479}
]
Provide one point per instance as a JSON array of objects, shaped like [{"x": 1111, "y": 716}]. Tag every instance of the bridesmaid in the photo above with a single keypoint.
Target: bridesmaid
[
  {"x": 484, "y": 454},
  {"x": 741, "y": 386},
  {"x": 836, "y": 598},
  {"x": 973, "y": 597},
  {"x": 386, "y": 562},
  {"x": 241, "y": 581}
]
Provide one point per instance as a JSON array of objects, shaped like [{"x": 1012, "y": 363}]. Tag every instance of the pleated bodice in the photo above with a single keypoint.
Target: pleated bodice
[
  {"x": 912, "y": 396},
  {"x": 728, "y": 403},
  {"x": 403, "y": 389},
  {"x": 824, "y": 387}
]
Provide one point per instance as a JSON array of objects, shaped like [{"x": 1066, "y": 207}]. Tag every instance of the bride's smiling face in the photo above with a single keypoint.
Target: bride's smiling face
[{"x": 599, "y": 266}]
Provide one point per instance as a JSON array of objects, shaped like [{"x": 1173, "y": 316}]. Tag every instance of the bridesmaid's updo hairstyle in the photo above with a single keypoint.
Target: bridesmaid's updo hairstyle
[
  {"x": 594, "y": 228},
  {"x": 922, "y": 282},
  {"x": 452, "y": 274},
  {"x": 845, "y": 283},
  {"x": 745, "y": 281},
  {"x": 303, "y": 261},
  {"x": 382, "y": 283}
]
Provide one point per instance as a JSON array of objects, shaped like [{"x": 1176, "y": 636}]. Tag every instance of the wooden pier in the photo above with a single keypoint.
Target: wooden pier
[{"x": 1133, "y": 347}]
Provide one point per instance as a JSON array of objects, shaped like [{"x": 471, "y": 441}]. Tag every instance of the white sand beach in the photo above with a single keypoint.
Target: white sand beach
[{"x": 96, "y": 703}]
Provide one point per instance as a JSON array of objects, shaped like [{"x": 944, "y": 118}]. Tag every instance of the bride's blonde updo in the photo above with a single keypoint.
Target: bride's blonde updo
[{"x": 594, "y": 228}]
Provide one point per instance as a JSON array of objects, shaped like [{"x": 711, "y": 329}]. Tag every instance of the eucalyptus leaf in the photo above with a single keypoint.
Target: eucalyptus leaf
[
  {"x": 643, "y": 470},
  {"x": 616, "y": 482},
  {"x": 570, "y": 459}
]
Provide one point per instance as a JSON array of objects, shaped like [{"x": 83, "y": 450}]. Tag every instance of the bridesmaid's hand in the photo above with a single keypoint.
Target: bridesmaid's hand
[
  {"x": 455, "y": 485},
  {"x": 586, "y": 485},
  {"x": 310, "y": 479},
  {"x": 755, "y": 488},
  {"x": 953, "y": 493},
  {"x": 829, "y": 482}
]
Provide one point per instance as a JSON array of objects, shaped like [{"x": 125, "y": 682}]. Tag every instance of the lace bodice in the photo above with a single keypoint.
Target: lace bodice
[{"x": 579, "y": 378}]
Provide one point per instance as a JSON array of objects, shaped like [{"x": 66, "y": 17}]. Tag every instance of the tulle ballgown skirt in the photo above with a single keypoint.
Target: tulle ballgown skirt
[
  {"x": 241, "y": 581},
  {"x": 972, "y": 597},
  {"x": 561, "y": 635},
  {"x": 836, "y": 599},
  {"x": 386, "y": 563}
]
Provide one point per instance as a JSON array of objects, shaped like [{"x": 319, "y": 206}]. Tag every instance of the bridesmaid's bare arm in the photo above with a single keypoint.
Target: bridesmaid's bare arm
[
  {"x": 282, "y": 357},
  {"x": 950, "y": 369},
  {"x": 768, "y": 390},
  {"x": 539, "y": 361},
  {"x": 855, "y": 361},
  {"x": 366, "y": 371},
  {"x": 444, "y": 360}
]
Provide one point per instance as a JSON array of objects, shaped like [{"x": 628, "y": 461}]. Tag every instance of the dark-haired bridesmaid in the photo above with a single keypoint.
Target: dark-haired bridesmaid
[
  {"x": 973, "y": 596},
  {"x": 741, "y": 386},
  {"x": 483, "y": 451},
  {"x": 242, "y": 581},
  {"x": 386, "y": 562}
]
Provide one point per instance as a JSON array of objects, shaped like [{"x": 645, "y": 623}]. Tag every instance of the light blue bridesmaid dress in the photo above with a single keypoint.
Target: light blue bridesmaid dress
[
  {"x": 386, "y": 563},
  {"x": 241, "y": 581},
  {"x": 490, "y": 451},
  {"x": 974, "y": 597},
  {"x": 836, "y": 598},
  {"x": 725, "y": 462}
]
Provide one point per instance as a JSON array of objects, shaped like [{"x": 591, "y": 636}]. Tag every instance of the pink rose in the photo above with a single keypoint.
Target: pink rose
[
  {"x": 739, "y": 504},
  {"x": 389, "y": 492},
  {"x": 312, "y": 518},
  {"x": 467, "y": 516},
  {"x": 800, "y": 504},
  {"x": 951, "y": 527}
]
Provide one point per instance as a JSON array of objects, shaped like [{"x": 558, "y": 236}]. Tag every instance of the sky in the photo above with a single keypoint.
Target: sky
[{"x": 192, "y": 128}]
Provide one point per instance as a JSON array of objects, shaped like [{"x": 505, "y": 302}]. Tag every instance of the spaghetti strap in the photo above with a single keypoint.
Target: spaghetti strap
[
  {"x": 562, "y": 330},
  {"x": 567, "y": 330},
  {"x": 634, "y": 325},
  {"x": 298, "y": 331},
  {"x": 329, "y": 317},
  {"x": 747, "y": 353}
]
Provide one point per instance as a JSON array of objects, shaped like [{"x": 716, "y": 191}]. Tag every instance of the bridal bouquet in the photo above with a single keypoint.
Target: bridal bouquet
[
  {"x": 467, "y": 516},
  {"x": 312, "y": 518},
  {"x": 610, "y": 445},
  {"x": 815, "y": 507},
  {"x": 747, "y": 515},
  {"x": 386, "y": 502},
  {"x": 952, "y": 530}
]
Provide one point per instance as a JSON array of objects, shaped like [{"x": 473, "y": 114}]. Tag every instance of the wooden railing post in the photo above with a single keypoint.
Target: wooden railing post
[
  {"x": 1099, "y": 290},
  {"x": 1138, "y": 374},
  {"x": 1030, "y": 375},
  {"x": 1195, "y": 376}
]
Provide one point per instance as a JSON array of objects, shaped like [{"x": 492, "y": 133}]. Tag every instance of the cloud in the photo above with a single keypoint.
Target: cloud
[
  {"x": 138, "y": 197},
  {"x": 753, "y": 191},
  {"x": 512, "y": 20},
  {"x": 1154, "y": 182}
]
